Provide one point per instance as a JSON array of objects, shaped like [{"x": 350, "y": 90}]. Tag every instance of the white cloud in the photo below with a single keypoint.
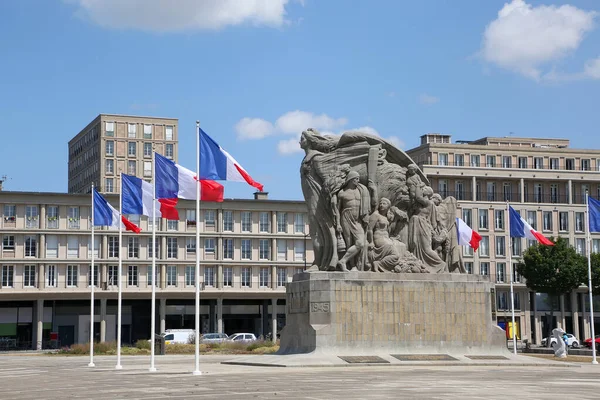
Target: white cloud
[
  {"x": 592, "y": 68},
  {"x": 525, "y": 38},
  {"x": 181, "y": 15},
  {"x": 428, "y": 99},
  {"x": 294, "y": 122},
  {"x": 396, "y": 142},
  {"x": 254, "y": 128},
  {"x": 289, "y": 146}
]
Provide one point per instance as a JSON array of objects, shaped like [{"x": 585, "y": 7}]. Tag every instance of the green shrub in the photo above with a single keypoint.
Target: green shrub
[{"x": 144, "y": 345}]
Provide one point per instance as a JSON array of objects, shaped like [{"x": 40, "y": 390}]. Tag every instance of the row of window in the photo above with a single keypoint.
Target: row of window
[
  {"x": 132, "y": 130},
  {"x": 90, "y": 137},
  {"x": 499, "y": 243},
  {"x": 531, "y": 216},
  {"x": 70, "y": 276},
  {"x": 132, "y": 149},
  {"x": 521, "y": 162}
]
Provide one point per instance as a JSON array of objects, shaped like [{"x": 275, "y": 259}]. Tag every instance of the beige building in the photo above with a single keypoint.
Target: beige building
[
  {"x": 545, "y": 181},
  {"x": 112, "y": 144},
  {"x": 249, "y": 250}
]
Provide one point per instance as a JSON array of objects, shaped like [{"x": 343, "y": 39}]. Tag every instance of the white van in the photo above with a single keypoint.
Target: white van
[{"x": 183, "y": 336}]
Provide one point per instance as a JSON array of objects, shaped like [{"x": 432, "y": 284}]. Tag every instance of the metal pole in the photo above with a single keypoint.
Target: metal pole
[
  {"x": 153, "y": 305},
  {"x": 119, "y": 278},
  {"x": 589, "y": 260},
  {"x": 197, "y": 272},
  {"x": 512, "y": 294},
  {"x": 91, "y": 364}
]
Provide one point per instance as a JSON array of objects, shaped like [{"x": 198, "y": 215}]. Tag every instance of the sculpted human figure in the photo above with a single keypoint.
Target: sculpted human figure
[
  {"x": 451, "y": 251},
  {"x": 351, "y": 215},
  {"x": 383, "y": 253}
]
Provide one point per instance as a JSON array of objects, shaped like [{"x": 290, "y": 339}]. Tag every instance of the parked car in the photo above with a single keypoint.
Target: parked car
[
  {"x": 182, "y": 336},
  {"x": 572, "y": 341},
  {"x": 213, "y": 338},
  {"x": 588, "y": 342},
  {"x": 242, "y": 337}
]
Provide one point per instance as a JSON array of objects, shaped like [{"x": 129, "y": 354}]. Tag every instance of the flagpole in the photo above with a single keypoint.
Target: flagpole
[
  {"x": 91, "y": 364},
  {"x": 119, "y": 279},
  {"x": 197, "y": 272},
  {"x": 589, "y": 260},
  {"x": 153, "y": 305},
  {"x": 512, "y": 294}
]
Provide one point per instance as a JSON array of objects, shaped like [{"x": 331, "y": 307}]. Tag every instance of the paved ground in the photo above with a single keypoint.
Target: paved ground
[{"x": 58, "y": 377}]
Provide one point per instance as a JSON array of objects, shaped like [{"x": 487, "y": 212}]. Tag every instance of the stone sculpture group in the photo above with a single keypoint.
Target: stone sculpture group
[{"x": 370, "y": 208}]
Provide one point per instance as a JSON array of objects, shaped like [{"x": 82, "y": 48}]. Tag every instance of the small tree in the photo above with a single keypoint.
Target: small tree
[{"x": 554, "y": 270}]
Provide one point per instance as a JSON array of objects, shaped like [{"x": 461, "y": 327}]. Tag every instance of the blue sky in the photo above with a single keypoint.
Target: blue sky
[{"x": 256, "y": 73}]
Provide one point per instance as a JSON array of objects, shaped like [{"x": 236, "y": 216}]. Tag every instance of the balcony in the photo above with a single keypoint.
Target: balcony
[
  {"x": 464, "y": 195},
  {"x": 499, "y": 196}
]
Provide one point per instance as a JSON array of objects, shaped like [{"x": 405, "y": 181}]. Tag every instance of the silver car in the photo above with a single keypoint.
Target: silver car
[{"x": 213, "y": 338}]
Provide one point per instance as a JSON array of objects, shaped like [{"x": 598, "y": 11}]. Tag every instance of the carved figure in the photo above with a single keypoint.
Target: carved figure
[{"x": 560, "y": 350}]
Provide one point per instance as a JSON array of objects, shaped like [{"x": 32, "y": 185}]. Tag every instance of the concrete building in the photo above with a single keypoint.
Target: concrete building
[
  {"x": 112, "y": 144},
  {"x": 543, "y": 179}
]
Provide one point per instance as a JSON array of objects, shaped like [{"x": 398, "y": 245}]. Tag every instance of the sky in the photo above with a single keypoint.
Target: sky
[{"x": 256, "y": 73}]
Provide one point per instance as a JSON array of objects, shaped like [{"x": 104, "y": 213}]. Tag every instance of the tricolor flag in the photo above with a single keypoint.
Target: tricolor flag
[
  {"x": 174, "y": 182},
  {"x": 466, "y": 235},
  {"x": 520, "y": 228},
  {"x": 594, "y": 213},
  {"x": 136, "y": 197},
  {"x": 217, "y": 164},
  {"x": 106, "y": 215}
]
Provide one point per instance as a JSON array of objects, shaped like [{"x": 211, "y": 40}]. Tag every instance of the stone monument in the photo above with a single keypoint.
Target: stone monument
[{"x": 388, "y": 272}]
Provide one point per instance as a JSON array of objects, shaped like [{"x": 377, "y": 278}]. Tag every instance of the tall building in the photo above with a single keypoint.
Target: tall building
[
  {"x": 543, "y": 179},
  {"x": 112, "y": 144}
]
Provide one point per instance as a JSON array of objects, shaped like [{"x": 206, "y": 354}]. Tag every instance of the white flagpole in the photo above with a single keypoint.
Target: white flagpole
[
  {"x": 91, "y": 364},
  {"x": 153, "y": 305},
  {"x": 589, "y": 260},
  {"x": 119, "y": 279},
  {"x": 197, "y": 272},
  {"x": 512, "y": 293}
]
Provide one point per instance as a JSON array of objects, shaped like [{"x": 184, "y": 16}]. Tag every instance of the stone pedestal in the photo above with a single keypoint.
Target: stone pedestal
[{"x": 367, "y": 313}]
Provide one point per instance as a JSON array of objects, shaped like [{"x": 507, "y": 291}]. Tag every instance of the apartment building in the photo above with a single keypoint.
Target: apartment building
[
  {"x": 112, "y": 144},
  {"x": 545, "y": 181},
  {"x": 249, "y": 249}
]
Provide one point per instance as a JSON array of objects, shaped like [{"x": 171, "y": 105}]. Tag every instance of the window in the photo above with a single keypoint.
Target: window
[
  {"x": 228, "y": 249},
  {"x": 443, "y": 159},
  {"x": 484, "y": 268},
  {"x": 281, "y": 222},
  {"x": 31, "y": 217},
  {"x": 459, "y": 188},
  {"x": 502, "y": 301},
  {"x": 113, "y": 246},
  {"x": 547, "y": 220},
  {"x": 147, "y": 168},
  {"x": 10, "y": 213},
  {"x": 110, "y": 166},
  {"x": 532, "y": 219},
  {"x": 113, "y": 275},
  {"x": 147, "y": 131},
  {"x": 52, "y": 246},
  {"x": 554, "y": 163},
  {"x": 157, "y": 276},
  {"x": 110, "y": 129},
  {"x": 72, "y": 275},
  {"x": 443, "y": 188},
  {"x": 246, "y": 276},
  {"x": 538, "y": 162},
  {"x": 484, "y": 246},
  {"x": 131, "y": 147},
  {"x": 133, "y": 247},
  {"x": 499, "y": 220},
  {"x": 500, "y": 246},
  {"x": 228, "y": 221},
  {"x": 580, "y": 246},
  {"x": 246, "y": 249},
  {"x": 171, "y": 247},
  {"x": 172, "y": 225},
  {"x": 246, "y": 221},
  {"x": 51, "y": 275},
  {"x": 299, "y": 250},
  {"x": 469, "y": 267},
  {"x": 168, "y": 132},
  {"x": 109, "y": 185},
  {"x": 52, "y": 217},
  {"x": 516, "y": 247},
  {"x": 171, "y": 275},
  {"x": 209, "y": 246},
  {"x": 553, "y": 193},
  {"x": 73, "y": 217},
  {"x": 563, "y": 221},
  {"x": 586, "y": 165},
  {"x": 475, "y": 160},
  {"x": 579, "y": 222},
  {"x": 169, "y": 150},
  {"x": 190, "y": 217},
  {"x": 538, "y": 192},
  {"x": 147, "y": 149},
  {"x": 110, "y": 148},
  {"x": 227, "y": 276},
  {"x": 156, "y": 248},
  {"x": 506, "y": 162},
  {"x": 281, "y": 276},
  {"x": 491, "y": 191},
  {"x": 483, "y": 218},
  {"x": 190, "y": 246},
  {"x": 131, "y": 130},
  {"x": 570, "y": 164},
  {"x": 264, "y": 277},
  {"x": 500, "y": 272},
  {"x": 459, "y": 160},
  {"x": 595, "y": 245},
  {"x": 264, "y": 249},
  {"x": 298, "y": 270},
  {"x": 72, "y": 247},
  {"x": 281, "y": 249},
  {"x": 209, "y": 276},
  {"x": 8, "y": 276},
  {"x": 467, "y": 216},
  {"x": 190, "y": 275},
  {"x": 29, "y": 276},
  {"x": 131, "y": 167},
  {"x": 522, "y": 162},
  {"x": 8, "y": 243},
  {"x": 467, "y": 251},
  {"x": 96, "y": 275},
  {"x": 209, "y": 218},
  {"x": 30, "y": 246},
  {"x": 264, "y": 224},
  {"x": 490, "y": 161}
]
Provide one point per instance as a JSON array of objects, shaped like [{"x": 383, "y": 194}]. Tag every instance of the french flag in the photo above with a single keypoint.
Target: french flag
[
  {"x": 466, "y": 235},
  {"x": 107, "y": 215},
  {"x": 136, "y": 197},
  {"x": 520, "y": 228},
  {"x": 217, "y": 164},
  {"x": 172, "y": 182}
]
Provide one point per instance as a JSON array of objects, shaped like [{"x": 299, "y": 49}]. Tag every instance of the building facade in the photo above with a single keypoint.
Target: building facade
[
  {"x": 249, "y": 250},
  {"x": 545, "y": 181},
  {"x": 112, "y": 144}
]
